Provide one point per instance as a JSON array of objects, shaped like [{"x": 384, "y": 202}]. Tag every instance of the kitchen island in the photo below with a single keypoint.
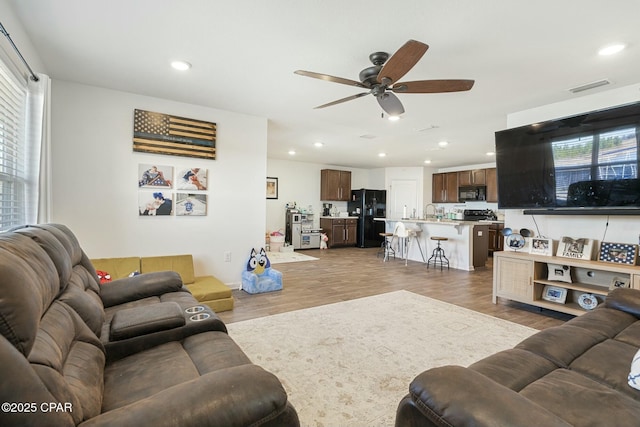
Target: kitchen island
[{"x": 466, "y": 249}]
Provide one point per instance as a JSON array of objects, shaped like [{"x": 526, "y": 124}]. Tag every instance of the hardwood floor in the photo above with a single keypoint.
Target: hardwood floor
[{"x": 343, "y": 274}]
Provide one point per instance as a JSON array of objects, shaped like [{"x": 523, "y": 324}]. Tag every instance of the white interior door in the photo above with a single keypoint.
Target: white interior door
[{"x": 403, "y": 192}]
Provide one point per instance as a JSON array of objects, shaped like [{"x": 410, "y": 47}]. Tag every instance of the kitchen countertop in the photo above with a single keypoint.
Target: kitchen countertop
[
  {"x": 339, "y": 217},
  {"x": 451, "y": 222}
]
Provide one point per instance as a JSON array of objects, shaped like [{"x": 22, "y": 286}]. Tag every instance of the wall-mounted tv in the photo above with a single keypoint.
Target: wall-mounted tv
[{"x": 586, "y": 163}]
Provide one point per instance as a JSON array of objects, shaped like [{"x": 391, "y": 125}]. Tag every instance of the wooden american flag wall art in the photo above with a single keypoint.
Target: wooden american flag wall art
[{"x": 178, "y": 136}]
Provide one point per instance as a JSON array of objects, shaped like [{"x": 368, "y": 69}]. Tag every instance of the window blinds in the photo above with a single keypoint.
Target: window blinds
[{"x": 13, "y": 181}]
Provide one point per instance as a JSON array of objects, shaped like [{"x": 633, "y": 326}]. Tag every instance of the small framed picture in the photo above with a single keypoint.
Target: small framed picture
[
  {"x": 619, "y": 282},
  {"x": 622, "y": 253},
  {"x": 560, "y": 273},
  {"x": 554, "y": 294},
  {"x": 575, "y": 248},
  {"x": 272, "y": 188},
  {"x": 541, "y": 246}
]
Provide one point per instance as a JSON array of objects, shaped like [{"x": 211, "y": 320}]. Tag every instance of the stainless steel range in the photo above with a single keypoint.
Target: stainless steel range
[{"x": 479, "y": 214}]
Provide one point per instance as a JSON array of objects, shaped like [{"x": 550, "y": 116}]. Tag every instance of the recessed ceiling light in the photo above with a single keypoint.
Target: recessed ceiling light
[
  {"x": 382, "y": 154},
  {"x": 394, "y": 118},
  {"x": 611, "y": 49},
  {"x": 490, "y": 153},
  {"x": 292, "y": 152},
  {"x": 181, "y": 65},
  {"x": 427, "y": 161},
  {"x": 318, "y": 144},
  {"x": 443, "y": 143}
]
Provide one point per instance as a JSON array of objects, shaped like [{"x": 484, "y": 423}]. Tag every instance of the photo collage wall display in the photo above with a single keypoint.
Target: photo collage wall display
[{"x": 156, "y": 197}]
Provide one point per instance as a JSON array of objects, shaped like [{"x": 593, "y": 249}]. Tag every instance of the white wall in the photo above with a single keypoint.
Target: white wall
[
  {"x": 299, "y": 182},
  {"x": 95, "y": 174},
  {"x": 622, "y": 229}
]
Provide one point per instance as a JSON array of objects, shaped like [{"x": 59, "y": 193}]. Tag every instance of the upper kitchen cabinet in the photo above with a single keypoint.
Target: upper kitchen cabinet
[
  {"x": 335, "y": 185},
  {"x": 472, "y": 177},
  {"x": 445, "y": 187},
  {"x": 492, "y": 185}
]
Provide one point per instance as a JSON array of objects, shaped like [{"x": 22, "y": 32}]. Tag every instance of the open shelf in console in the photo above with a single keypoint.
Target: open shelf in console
[{"x": 587, "y": 277}]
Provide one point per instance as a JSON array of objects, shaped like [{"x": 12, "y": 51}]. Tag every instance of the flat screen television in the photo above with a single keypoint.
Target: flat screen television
[{"x": 586, "y": 163}]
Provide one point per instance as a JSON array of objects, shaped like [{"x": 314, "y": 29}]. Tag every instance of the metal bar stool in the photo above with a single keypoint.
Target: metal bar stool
[
  {"x": 385, "y": 247},
  {"x": 438, "y": 257}
]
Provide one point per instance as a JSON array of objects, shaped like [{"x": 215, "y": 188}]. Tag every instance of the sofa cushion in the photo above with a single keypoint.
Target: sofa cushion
[
  {"x": 29, "y": 284},
  {"x": 182, "y": 264},
  {"x": 581, "y": 401},
  {"x": 206, "y": 288},
  {"x": 189, "y": 359},
  {"x": 135, "y": 322}
]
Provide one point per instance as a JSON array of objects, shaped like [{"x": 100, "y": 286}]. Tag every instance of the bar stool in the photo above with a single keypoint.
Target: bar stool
[
  {"x": 406, "y": 236},
  {"x": 438, "y": 257},
  {"x": 386, "y": 248}
]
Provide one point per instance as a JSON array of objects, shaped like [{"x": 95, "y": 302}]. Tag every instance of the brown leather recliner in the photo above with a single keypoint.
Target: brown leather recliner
[{"x": 55, "y": 368}]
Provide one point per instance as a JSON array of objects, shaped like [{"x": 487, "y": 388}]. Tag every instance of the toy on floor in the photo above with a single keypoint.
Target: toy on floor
[
  {"x": 259, "y": 276},
  {"x": 323, "y": 241}
]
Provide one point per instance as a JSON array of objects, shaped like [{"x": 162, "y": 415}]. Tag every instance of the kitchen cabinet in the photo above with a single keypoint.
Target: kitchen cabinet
[
  {"x": 335, "y": 185},
  {"x": 341, "y": 231},
  {"x": 472, "y": 177},
  {"x": 496, "y": 239},
  {"x": 445, "y": 187},
  {"x": 492, "y": 185},
  {"x": 523, "y": 277}
]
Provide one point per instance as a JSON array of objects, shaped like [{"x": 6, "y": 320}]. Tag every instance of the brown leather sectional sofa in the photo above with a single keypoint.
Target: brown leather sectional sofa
[
  {"x": 138, "y": 351},
  {"x": 570, "y": 375}
]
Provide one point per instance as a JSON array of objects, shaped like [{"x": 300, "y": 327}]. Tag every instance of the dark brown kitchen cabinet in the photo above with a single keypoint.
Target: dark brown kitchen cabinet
[
  {"x": 445, "y": 187},
  {"x": 492, "y": 185},
  {"x": 496, "y": 239},
  {"x": 335, "y": 185},
  {"x": 472, "y": 177},
  {"x": 341, "y": 231}
]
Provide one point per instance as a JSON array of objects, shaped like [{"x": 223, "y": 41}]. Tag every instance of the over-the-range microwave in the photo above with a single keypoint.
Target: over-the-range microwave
[{"x": 475, "y": 193}]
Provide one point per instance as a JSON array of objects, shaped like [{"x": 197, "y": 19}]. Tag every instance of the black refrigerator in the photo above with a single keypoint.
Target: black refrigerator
[{"x": 368, "y": 205}]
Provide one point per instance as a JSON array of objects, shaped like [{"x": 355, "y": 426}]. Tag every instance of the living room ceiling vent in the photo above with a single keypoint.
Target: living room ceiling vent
[{"x": 591, "y": 85}]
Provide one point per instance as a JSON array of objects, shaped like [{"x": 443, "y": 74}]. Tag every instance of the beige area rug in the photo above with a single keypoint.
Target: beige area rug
[
  {"x": 350, "y": 363},
  {"x": 282, "y": 257}
]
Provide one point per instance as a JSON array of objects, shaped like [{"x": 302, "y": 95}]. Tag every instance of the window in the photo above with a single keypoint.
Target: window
[
  {"x": 13, "y": 180},
  {"x": 607, "y": 155}
]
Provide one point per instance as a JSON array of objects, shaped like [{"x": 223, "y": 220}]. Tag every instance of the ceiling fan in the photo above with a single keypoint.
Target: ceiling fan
[{"x": 382, "y": 78}]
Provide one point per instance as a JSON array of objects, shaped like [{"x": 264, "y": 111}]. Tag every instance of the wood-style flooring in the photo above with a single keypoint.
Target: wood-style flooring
[{"x": 342, "y": 274}]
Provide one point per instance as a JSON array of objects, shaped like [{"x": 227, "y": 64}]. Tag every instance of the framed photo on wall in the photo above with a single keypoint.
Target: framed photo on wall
[
  {"x": 272, "y": 187},
  {"x": 621, "y": 253}
]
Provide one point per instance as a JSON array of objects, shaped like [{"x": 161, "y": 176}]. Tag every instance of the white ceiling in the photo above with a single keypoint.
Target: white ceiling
[{"x": 521, "y": 54}]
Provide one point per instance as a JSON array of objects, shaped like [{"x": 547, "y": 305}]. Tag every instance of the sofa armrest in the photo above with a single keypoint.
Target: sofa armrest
[
  {"x": 456, "y": 396},
  {"x": 624, "y": 299},
  {"x": 238, "y": 396},
  {"x": 141, "y": 286}
]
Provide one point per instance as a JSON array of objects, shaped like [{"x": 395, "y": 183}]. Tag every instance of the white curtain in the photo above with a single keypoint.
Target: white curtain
[{"x": 38, "y": 139}]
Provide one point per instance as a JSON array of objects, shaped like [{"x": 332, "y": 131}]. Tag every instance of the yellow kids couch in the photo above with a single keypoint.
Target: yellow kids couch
[{"x": 206, "y": 289}]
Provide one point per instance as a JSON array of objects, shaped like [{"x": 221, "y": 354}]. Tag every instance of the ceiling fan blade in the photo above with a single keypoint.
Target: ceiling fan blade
[
  {"x": 329, "y": 78},
  {"x": 401, "y": 62},
  {"x": 390, "y": 104},
  {"x": 340, "y": 101},
  {"x": 433, "y": 86}
]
